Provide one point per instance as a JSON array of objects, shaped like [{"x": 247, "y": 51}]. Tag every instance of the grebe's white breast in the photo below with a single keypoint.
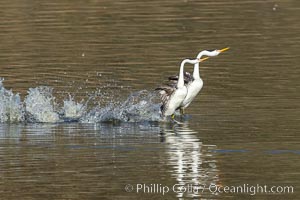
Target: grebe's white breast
[
  {"x": 193, "y": 90},
  {"x": 176, "y": 100}
]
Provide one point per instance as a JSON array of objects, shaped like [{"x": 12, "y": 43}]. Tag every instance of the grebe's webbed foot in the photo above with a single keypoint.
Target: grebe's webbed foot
[{"x": 174, "y": 120}]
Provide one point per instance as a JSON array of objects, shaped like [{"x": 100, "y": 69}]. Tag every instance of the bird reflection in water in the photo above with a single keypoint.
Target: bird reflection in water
[{"x": 193, "y": 163}]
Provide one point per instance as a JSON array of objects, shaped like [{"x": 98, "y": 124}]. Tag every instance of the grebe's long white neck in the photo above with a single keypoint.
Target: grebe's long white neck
[
  {"x": 180, "y": 82},
  {"x": 196, "y": 73}
]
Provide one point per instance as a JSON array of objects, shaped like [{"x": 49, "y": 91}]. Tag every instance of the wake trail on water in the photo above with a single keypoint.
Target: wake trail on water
[{"x": 40, "y": 105}]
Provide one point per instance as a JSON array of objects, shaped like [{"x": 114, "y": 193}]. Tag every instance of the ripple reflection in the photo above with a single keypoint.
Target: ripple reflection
[{"x": 193, "y": 163}]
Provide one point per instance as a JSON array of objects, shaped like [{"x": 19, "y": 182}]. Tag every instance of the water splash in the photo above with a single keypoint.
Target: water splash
[
  {"x": 72, "y": 110},
  {"x": 41, "y": 106},
  {"x": 138, "y": 107},
  {"x": 141, "y": 106},
  {"x": 11, "y": 107}
]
